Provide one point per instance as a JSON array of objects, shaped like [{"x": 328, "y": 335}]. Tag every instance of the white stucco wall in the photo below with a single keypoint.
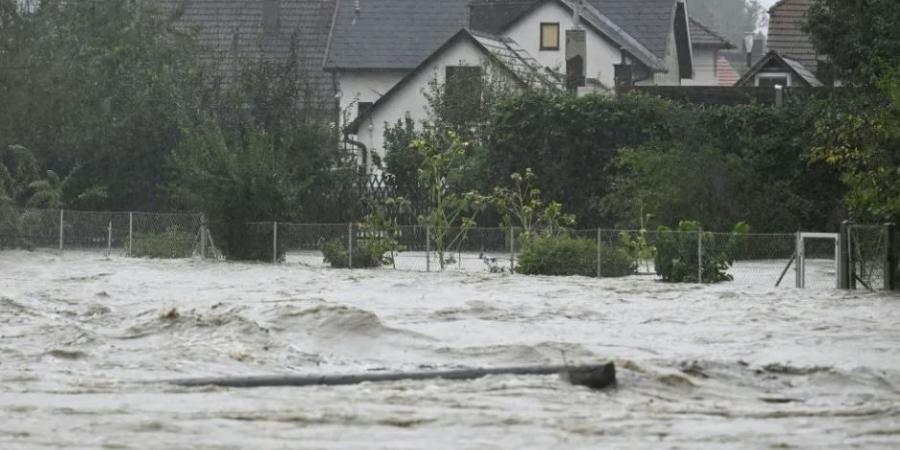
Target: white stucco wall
[
  {"x": 410, "y": 99},
  {"x": 601, "y": 54},
  {"x": 704, "y": 68},
  {"x": 364, "y": 86}
]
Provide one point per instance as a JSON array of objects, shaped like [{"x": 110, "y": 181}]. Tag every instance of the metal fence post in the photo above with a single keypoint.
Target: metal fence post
[
  {"x": 801, "y": 257},
  {"x": 890, "y": 256},
  {"x": 275, "y": 242},
  {"x": 844, "y": 256},
  {"x": 131, "y": 234},
  {"x": 700, "y": 256},
  {"x": 599, "y": 253},
  {"x": 61, "y": 224},
  {"x": 427, "y": 248},
  {"x": 203, "y": 235},
  {"x": 512, "y": 249},
  {"x": 109, "y": 239},
  {"x": 350, "y": 245}
]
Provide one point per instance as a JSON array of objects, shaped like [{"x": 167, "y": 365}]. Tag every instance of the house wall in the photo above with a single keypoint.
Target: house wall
[
  {"x": 601, "y": 53},
  {"x": 410, "y": 99},
  {"x": 364, "y": 86},
  {"x": 704, "y": 68}
]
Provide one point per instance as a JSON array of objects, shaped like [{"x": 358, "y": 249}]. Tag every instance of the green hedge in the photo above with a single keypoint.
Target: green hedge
[
  {"x": 367, "y": 253},
  {"x": 567, "y": 256},
  {"x": 169, "y": 245}
]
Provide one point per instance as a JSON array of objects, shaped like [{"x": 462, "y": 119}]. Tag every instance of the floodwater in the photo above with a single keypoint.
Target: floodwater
[{"x": 736, "y": 365}]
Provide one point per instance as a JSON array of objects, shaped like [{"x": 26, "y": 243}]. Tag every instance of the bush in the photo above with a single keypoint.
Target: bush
[
  {"x": 567, "y": 256},
  {"x": 677, "y": 258},
  {"x": 367, "y": 253},
  {"x": 169, "y": 245}
]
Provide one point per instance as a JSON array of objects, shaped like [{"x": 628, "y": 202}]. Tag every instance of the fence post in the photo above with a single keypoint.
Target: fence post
[
  {"x": 700, "y": 255},
  {"x": 203, "y": 235},
  {"x": 801, "y": 258},
  {"x": 275, "y": 242},
  {"x": 512, "y": 249},
  {"x": 844, "y": 256},
  {"x": 599, "y": 253},
  {"x": 109, "y": 239},
  {"x": 131, "y": 234},
  {"x": 890, "y": 256},
  {"x": 61, "y": 223},
  {"x": 350, "y": 245},
  {"x": 427, "y": 248}
]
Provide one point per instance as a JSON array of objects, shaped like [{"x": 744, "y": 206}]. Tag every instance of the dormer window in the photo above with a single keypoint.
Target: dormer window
[{"x": 550, "y": 36}]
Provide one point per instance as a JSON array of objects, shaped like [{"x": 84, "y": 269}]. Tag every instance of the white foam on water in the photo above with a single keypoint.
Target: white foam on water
[{"x": 737, "y": 365}]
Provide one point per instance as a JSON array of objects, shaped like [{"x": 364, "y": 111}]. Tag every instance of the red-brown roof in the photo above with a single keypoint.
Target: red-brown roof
[{"x": 725, "y": 73}]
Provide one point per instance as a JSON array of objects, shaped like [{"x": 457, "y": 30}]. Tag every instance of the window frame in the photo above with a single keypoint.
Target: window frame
[
  {"x": 541, "y": 37},
  {"x": 786, "y": 75}
]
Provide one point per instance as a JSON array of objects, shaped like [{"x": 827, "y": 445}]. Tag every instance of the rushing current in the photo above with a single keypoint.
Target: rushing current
[{"x": 735, "y": 365}]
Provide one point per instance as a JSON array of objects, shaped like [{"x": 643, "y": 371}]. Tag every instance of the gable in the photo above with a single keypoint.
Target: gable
[{"x": 787, "y": 20}]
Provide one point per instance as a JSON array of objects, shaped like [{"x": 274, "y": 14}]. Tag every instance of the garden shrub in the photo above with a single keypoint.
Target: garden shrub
[
  {"x": 677, "y": 254},
  {"x": 367, "y": 253},
  {"x": 565, "y": 255},
  {"x": 168, "y": 245}
]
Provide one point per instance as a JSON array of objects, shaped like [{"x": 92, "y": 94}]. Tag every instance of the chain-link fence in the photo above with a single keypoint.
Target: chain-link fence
[
  {"x": 158, "y": 235},
  {"x": 776, "y": 260}
]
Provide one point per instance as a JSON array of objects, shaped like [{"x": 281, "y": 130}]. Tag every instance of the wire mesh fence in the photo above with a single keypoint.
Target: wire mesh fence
[{"x": 776, "y": 260}]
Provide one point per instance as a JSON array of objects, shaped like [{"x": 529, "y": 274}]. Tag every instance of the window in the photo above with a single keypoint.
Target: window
[
  {"x": 362, "y": 107},
  {"x": 773, "y": 79},
  {"x": 549, "y": 36},
  {"x": 462, "y": 93}
]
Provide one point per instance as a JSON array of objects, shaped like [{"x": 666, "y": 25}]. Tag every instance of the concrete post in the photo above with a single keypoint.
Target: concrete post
[{"x": 109, "y": 239}]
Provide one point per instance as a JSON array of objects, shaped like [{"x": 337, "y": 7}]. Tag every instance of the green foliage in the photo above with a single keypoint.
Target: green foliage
[
  {"x": 171, "y": 244},
  {"x": 677, "y": 254},
  {"x": 861, "y": 38},
  {"x": 367, "y": 253},
  {"x": 381, "y": 225},
  {"x": 450, "y": 214},
  {"x": 862, "y": 145},
  {"x": 521, "y": 206},
  {"x": 564, "y": 255}
]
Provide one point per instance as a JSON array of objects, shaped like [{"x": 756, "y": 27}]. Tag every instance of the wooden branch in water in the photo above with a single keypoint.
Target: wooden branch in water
[{"x": 597, "y": 376}]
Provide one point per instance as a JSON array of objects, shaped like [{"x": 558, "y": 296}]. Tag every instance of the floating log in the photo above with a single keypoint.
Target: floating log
[{"x": 593, "y": 376}]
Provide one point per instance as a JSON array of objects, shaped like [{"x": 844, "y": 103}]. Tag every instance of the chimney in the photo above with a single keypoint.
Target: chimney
[
  {"x": 576, "y": 59},
  {"x": 271, "y": 16},
  {"x": 749, "y": 39}
]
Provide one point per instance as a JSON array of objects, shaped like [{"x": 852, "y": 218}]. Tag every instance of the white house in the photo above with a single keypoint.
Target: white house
[
  {"x": 354, "y": 52},
  {"x": 382, "y": 53}
]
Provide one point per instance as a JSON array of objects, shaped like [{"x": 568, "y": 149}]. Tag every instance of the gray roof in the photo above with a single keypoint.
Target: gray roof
[
  {"x": 504, "y": 52},
  {"x": 702, "y": 36},
  {"x": 392, "y": 34},
  {"x": 247, "y": 30},
  {"x": 648, "y": 21}
]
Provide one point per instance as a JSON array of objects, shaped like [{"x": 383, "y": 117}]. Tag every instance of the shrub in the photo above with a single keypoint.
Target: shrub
[
  {"x": 677, "y": 254},
  {"x": 367, "y": 253},
  {"x": 565, "y": 255},
  {"x": 168, "y": 245}
]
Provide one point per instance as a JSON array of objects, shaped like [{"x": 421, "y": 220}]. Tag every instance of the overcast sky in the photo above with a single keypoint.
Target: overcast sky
[{"x": 768, "y": 3}]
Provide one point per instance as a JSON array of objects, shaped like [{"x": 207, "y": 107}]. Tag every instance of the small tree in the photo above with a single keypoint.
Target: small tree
[
  {"x": 521, "y": 205},
  {"x": 450, "y": 214}
]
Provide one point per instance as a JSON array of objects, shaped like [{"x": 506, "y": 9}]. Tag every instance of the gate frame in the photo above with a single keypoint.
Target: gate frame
[{"x": 800, "y": 267}]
